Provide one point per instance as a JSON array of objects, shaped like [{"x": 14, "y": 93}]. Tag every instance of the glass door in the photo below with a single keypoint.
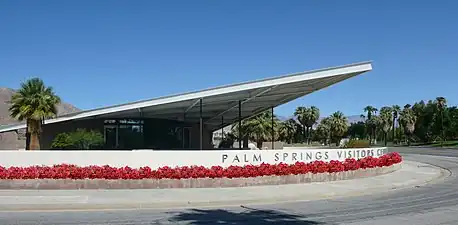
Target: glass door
[
  {"x": 111, "y": 136},
  {"x": 187, "y": 137}
]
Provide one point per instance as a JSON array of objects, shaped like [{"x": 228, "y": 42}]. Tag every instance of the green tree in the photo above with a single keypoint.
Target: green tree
[
  {"x": 312, "y": 117},
  {"x": 408, "y": 120},
  {"x": 86, "y": 139},
  {"x": 81, "y": 139},
  {"x": 301, "y": 115},
  {"x": 299, "y": 135},
  {"x": 339, "y": 126},
  {"x": 242, "y": 133},
  {"x": 451, "y": 123},
  {"x": 441, "y": 106},
  {"x": 386, "y": 121},
  {"x": 307, "y": 117},
  {"x": 357, "y": 130},
  {"x": 260, "y": 128},
  {"x": 287, "y": 130},
  {"x": 374, "y": 124},
  {"x": 396, "y": 109},
  {"x": 62, "y": 141},
  {"x": 34, "y": 102},
  {"x": 323, "y": 131},
  {"x": 257, "y": 128},
  {"x": 370, "y": 110},
  {"x": 424, "y": 125}
]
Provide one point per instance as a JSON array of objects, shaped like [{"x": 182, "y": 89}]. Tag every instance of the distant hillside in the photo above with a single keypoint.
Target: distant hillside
[
  {"x": 11, "y": 140},
  {"x": 355, "y": 119}
]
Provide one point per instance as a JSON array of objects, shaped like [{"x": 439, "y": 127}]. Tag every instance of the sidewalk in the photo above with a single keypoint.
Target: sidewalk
[{"x": 410, "y": 175}]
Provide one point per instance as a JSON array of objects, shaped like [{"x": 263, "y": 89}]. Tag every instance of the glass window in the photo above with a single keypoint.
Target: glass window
[
  {"x": 124, "y": 134},
  {"x": 110, "y": 121}
]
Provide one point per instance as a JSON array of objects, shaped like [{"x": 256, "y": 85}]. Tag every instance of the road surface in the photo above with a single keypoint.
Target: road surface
[{"x": 435, "y": 203}]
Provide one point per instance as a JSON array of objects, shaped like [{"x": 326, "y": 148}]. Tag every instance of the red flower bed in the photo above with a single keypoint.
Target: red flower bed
[{"x": 65, "y": 171}]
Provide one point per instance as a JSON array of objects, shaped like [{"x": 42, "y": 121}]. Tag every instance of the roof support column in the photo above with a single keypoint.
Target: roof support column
[
  {"x": 240, "y": 124},
  {"x": 201, "y": 124},
  {"x": 273, "y": 130},
  {"x": 182, "y": 130},
  {"x": 222, "y": 128}
]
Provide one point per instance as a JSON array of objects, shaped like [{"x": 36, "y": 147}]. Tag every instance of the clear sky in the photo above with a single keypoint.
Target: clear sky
[{"x": 99, "y": 53}]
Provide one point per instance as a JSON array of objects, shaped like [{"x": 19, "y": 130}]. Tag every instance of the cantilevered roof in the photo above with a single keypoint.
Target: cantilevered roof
[{"x": 220, "y": 104}]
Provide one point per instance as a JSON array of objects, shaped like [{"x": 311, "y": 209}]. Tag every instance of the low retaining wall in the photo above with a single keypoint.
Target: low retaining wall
[
  {"x": 50, "y": 184},
  {"x": 206, "y": 158}
]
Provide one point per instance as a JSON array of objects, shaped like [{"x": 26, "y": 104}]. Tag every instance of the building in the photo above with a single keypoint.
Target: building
[{"x": 187, "y": 121}]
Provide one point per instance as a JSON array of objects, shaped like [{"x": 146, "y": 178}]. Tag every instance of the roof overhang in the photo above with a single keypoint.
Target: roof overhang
[{"x": 220, "y": 104}]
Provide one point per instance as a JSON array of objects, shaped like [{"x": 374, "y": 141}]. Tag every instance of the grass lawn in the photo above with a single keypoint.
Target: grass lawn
[{"x": 448, "y": 144}]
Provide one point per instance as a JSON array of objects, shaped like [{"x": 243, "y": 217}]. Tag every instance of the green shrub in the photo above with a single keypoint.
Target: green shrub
[
  {"x": 62, "y": 141},
  {"x": 79, "y": 139},
  {"x": 353, "y": 143}
]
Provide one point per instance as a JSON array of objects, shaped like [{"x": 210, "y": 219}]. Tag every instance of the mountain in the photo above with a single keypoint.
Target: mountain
[
  {"x": 355, "y": 119},
  {"x": 13, "y": 140}
]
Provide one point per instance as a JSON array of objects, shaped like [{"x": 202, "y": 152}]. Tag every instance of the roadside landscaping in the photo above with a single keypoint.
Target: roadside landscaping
[{"x": 73, "y": 172}]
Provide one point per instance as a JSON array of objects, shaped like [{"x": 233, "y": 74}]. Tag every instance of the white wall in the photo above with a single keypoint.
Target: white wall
[{"x": 155, "y": 159}]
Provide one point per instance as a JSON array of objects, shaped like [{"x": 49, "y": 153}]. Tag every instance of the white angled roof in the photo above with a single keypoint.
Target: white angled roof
[{"x": 222, "y": 102}]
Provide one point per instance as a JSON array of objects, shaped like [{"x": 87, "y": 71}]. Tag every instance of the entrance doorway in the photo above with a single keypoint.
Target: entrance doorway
[
  {"x": 111, "y": 136},
  {"x": 185, "y": 137}
]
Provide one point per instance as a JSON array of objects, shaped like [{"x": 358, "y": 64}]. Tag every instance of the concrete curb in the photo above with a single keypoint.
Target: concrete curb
[{"x": 67, "y": 184}]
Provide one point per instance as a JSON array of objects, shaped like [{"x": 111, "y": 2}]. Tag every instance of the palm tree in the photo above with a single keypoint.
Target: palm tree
[
  {"x": 396, "y": 109},
  {"x": 301, "y": 115},
  {"x": 241, "y": 134},
  {"x": 257, "y": 128},
  {"x": 370, "y": 126},
  {"x": 287, "y": 129},
  {"x": 441, "y": 104},
  {"x": 408, "y": 119},
  {"x": 34, "y": 102},
  {"x": 339, "y": 125},
  {"x": 386, "y": 120},
  {"x": 312, "y": 116},
  {"x": 376, "y": 123},
  {"x": 323, "y": 130},
  {"x": 370, "y": 111},
  {"x": 307, "y": 117},
  {"x": 261, "y": 128}
]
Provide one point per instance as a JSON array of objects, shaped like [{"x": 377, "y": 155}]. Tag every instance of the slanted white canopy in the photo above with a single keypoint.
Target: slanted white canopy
[{"x": 220, "y": 105}]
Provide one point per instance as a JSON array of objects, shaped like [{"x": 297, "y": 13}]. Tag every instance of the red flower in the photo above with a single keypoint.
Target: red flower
[{"x": 65, "y": 171}]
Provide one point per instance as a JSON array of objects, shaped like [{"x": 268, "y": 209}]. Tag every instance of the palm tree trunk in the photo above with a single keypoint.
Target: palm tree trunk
[
  {"x": 442, "y": 128},
  {"x": 34, "y": 141},
  {"x": 27, "y": 135},
  {"x": 370, "y": 136},
  {"x": 394, "y": 129},
  {"x": 310, "y": 135},
  {"x": 375, "y": 134},
  {"x": 304, "y": 135},
  {"x": 245, "y": 142},
  {"x": 400, "y": 133},
  {"x": 386, "y": 134},
  {"x": 34, "y": 130}
]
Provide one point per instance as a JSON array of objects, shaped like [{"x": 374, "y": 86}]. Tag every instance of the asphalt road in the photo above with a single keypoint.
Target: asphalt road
[{"x": 435, "y": 203}]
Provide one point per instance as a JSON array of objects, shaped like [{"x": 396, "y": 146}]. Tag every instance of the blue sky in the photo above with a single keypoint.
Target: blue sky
[{"x": 99, "y": 53}]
